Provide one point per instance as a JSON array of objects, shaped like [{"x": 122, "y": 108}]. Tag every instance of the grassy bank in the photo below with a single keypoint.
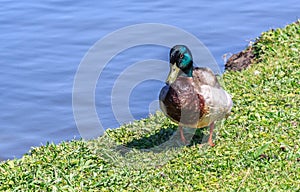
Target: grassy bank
[{"x": 257, "y": 148}]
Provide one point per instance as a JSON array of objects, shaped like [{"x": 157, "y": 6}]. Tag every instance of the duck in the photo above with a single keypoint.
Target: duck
[{"x": 192, "y": 96}]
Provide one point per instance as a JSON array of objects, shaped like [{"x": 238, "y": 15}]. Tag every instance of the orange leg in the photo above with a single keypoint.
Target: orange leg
[
  {"x": 211, "y": 129},
  {"x": 182, "y": 135}
]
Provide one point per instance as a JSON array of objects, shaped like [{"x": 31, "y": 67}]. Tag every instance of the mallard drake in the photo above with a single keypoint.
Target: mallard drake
[{"x": 192, "y": 96}]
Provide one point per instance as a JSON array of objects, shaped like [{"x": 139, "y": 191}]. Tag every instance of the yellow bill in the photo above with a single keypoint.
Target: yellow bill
[{"x": 173, "y": 74}]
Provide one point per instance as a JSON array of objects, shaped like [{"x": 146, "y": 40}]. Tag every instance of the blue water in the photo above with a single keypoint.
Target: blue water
[{"x": 43, "y": 42}]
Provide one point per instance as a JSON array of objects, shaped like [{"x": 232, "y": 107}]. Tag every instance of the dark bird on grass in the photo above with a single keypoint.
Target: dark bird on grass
[{"x": 193, "y": 96}]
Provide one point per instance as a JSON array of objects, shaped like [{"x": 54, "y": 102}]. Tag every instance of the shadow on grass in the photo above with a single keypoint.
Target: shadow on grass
[
  {"x": 165, "y": 138},
  {"x": 153, "y": 148}
]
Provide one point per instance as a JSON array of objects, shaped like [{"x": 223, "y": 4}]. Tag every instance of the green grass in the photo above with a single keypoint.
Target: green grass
[{"x": 257, "y": 147}]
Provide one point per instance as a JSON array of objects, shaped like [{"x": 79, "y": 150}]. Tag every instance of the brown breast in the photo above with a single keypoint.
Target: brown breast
[{"x": 182, "y": 103}]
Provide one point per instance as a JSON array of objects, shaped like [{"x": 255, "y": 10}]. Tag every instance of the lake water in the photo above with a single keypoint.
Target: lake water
[{"x": 43, "y": 42}]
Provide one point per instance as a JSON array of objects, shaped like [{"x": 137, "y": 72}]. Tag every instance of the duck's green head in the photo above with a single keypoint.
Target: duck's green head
[{"x": 181, "y": 63}]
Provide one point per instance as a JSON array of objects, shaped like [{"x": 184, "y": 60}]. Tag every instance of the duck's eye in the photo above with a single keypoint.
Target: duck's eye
[{"x": 181, "y": 56}]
